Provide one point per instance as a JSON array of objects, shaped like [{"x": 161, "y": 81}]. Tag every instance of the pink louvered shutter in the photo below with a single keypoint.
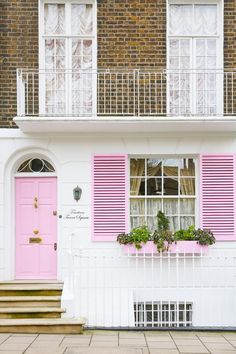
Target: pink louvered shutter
[
  {"x": 109, "y": 196},
  {"x": 218, "y": 195}
]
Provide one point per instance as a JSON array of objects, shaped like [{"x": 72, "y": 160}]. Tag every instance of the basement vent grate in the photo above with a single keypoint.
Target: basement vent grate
[{"x": 163, "y": 314}]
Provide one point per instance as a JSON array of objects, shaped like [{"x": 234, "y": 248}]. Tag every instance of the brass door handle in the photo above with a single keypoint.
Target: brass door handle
[{"x": 36, "y": 202}]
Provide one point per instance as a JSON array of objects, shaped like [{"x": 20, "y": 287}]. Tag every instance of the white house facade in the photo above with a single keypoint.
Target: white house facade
[{"x": 99, "y": 151}]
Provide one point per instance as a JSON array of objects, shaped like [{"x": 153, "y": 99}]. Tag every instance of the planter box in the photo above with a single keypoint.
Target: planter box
[{"x": 183, "y": 247}]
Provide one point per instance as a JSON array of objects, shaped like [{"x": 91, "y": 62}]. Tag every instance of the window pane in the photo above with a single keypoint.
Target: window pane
[
  {"x": 152, "y": 223},
  {"x": 137, "y": 167},
  {"x": 154, "y": 186},
  {"x": 153, "y": 206},
  {"x": 174, "y": 223},
  {"x": 137, "y": 207},
  {"x": 137, "y": 186},
  {"x": 82, "y": 19},
  {"x": 154, "y": 167},
  {"x": 87, "y": 54},
  {"x": 136, "y": 221},
  {"x": 170, "y": 206},
  {"x": 171, "y": 186},
  {"x": 187, "y": 167},
  {"x": 186, "y": 221},
  {"x": 170, "y": 167},
  {"x": 54, "y": 18},
  {"x": 187, "y": 186},
  {"x": 187, "y": 206},
  {"x": 180, "y": 19},
  {"x": 205, "y": 19}
]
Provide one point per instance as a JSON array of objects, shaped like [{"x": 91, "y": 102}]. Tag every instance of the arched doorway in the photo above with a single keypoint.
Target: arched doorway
[{"x": 36, "y": 221}]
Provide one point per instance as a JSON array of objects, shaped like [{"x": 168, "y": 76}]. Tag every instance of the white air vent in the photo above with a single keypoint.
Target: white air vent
[{"x": 163, "y": 314}]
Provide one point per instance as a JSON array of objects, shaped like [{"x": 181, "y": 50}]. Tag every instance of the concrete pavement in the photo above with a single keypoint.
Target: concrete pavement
[{"x": 123, "y": 342}]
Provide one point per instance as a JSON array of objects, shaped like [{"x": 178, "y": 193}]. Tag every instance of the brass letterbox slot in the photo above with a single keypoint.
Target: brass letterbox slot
[{"x": 35, "y": 240}]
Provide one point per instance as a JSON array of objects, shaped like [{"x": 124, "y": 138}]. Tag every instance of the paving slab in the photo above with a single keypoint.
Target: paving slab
[
  {"x": 194, "y": 349},
  {"x": 162, "y": 345},
  {"x": 104, "y": 338},
  {"x": 12, "y": 352},
  {"x": 13, "y": 346},
  {"x": 50, "y": 337},
  {"x": 99, "y": 344},
  {"x": 43, "y": 351},
  {"x": 18, "y": 340},
  {"x": 232, "y": 342},
  {"x": 156, "y": 338},
  {"x": 131, "y": 334},
  {"x": 102, "y": 351},
  {"x": 132, "y": 342},
  {"x": 78, "y": 340},
  {"x": 219, "y": 347},
  {"x": 212, "y": 339},
  {"x": 164, "y": 351},
  {"x": 187, "y": 341}
]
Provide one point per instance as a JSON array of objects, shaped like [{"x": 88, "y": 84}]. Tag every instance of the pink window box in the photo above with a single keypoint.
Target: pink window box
[{"x": 183, "y": 247}]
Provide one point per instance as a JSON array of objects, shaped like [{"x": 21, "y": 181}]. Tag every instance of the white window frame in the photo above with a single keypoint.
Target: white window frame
[
  {"x": 41, "y": 39},
  {"x": 219, "y": 49},
  {"x": 197, "y": 184}
]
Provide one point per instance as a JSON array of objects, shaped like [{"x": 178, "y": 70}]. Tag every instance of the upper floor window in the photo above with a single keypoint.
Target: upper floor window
[
  {"x": 67, "y": 56},
  {"x": 195, "y": 58}
]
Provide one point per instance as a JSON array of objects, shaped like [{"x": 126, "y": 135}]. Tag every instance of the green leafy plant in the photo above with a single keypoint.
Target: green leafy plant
[
  {"x": 204, "y": 237},
  {"x": 162, "y": 237},
  {"x": 185, "y": 235},
  {"x": 137, "y": 236},
  {"x": 123, "y": 239}
]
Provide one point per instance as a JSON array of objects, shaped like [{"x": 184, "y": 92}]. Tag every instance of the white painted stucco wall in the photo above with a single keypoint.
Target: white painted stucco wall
[{"x": 71, "y": 155}]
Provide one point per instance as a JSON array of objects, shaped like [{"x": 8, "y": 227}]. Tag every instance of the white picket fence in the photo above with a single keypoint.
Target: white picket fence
[{"x": 114, "y": 290}]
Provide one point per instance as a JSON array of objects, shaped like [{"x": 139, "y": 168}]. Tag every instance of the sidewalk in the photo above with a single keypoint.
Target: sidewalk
[{"x": 111, "y": 342}]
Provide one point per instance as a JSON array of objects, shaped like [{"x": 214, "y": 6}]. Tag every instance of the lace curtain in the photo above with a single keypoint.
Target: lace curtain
[
  {"x": 192, "y": 92},
  {"x": 193, "y": 20},
  {"x": 77, "y": 78}
]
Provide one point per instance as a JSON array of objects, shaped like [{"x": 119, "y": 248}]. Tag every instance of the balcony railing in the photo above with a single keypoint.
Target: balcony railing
[{"x": 126, "y": 93}]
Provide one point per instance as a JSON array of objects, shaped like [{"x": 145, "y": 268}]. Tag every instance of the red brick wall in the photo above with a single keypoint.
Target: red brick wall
[
  {"x": 132, "y": 33},
  {"x": 19, "y": 48}
]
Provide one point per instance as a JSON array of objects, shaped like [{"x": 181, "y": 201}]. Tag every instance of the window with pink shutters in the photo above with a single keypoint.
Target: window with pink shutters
[
  {"x": 109, "y": 196},
  {"x": 218, "y": 195}
]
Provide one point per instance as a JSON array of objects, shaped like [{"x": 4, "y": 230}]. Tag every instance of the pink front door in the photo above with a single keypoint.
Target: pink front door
[{"x": 36, "y": 228}]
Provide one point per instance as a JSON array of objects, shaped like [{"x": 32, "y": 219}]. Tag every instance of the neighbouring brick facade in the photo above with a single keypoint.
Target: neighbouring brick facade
[
  {"x": 131, "y": 33},
  {"x": 18, "y": 48}
]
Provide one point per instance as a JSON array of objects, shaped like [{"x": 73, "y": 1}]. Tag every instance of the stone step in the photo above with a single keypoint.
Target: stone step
[
  {"x": 41, "y": 325},
  {"x": 30, "y": 281},
  {"x": 30, "y": 301},
  {"x": 30, "y": 312},
  {"x": 22, "y": 288}
]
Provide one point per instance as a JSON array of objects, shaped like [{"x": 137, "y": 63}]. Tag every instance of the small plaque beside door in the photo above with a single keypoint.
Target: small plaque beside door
[{"x": 35, "y": 240}]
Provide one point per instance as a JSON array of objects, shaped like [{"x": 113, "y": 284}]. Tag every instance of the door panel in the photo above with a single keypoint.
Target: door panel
[{"x": 36, "y": 199}]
